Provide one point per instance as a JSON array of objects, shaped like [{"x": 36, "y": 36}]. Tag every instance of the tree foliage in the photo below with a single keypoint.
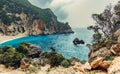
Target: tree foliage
[{"x": 107, "y": 22}]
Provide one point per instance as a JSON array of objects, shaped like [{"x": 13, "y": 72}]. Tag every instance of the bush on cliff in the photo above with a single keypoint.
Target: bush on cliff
[
  {"x": 22, "y": 48},
  {"x": 65, "y": 63},
  {"x": 104, "y": 42},
  {"x": 109, "y": 58},
  {"x": 9, "y": 57},
  {"x": 56, "y": 59}
]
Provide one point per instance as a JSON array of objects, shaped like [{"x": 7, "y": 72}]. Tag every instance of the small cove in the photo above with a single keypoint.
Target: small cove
[{"x": 61, "y": 42}]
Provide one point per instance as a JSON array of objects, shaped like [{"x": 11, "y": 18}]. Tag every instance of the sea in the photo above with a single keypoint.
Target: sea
[{"x": 63, "y": 43}]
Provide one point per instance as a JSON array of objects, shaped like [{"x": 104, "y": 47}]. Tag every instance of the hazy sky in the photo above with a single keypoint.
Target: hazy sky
[{"x": 76, "y": 12}]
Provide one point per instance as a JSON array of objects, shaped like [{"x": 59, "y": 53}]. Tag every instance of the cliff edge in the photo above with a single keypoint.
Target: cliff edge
[{"x": 19, "y": 16}]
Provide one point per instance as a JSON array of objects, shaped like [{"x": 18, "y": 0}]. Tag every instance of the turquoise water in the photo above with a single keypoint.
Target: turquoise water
[{"x": 61, "y": 42}]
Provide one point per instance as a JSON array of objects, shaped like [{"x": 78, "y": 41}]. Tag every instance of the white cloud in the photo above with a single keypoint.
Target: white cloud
[
  {"x": 76, "y": 12},
  {"x": 60, "y": 2}
]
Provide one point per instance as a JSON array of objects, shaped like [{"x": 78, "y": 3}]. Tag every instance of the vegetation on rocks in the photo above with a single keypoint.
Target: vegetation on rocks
[
  {"x": 65, "y": 63},
  {"x": 10, "y": 57},
  {"x": 109, "y": 58},
  {"x": 56, "y": 59},
  {"x": 105, "y": 46},
  {"x": 20, "y": 16}
]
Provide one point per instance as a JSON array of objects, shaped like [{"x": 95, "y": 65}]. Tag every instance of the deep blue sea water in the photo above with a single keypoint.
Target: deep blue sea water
[{"x": 61, "y": 42}]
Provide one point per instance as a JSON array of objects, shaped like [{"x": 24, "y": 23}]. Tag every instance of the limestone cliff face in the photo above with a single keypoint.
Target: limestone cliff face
[
  {"x": 37, "y": 28},
  {"x": 19, "y": 16}
]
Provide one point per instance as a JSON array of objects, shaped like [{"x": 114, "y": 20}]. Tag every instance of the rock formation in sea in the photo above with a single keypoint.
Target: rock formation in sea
[{"x": 19, "y": 16}]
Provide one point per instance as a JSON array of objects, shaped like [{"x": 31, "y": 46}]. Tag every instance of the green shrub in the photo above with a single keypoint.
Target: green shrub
[
  {"x": 46, "y": 54},
  {"x": 22, "y": 48},
  {"x": 56, "y": 59},
  {"x": 65, "y": 63},
  {"x": 9, "y": 57},
  {"x": 83, "y": 61},
  {"x": 103, "y": 43},
  {"x": 28, "y": 60},
  {"x": 109, "y": 58}
]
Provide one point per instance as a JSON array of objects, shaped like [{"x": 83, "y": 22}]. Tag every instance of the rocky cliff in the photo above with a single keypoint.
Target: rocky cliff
[{"x": 19, "y": 16}]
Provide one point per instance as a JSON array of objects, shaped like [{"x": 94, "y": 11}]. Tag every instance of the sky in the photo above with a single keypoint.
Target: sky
[{"x": 76, "y": 12}]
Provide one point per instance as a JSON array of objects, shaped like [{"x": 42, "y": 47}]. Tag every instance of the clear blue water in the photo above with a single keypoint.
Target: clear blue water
[{"x": 61, "y": 42}]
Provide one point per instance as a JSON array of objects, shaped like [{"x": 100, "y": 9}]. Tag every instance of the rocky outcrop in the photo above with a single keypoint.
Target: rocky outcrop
[
  {"x": 96, "y": 62},
  {"x": 115, "y": 49},
  {"x": 24, "y": 65},
  {"x": 105, "y": 65},
  {"x": 117, "y": 35},
  {"x": 31, "y": 50},
  {"x": 74, "y": 60},
  {"x": 102, "y": 52},
  {"x": 115, "y": 66}
]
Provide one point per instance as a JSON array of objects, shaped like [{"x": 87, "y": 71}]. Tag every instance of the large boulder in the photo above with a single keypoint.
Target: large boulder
[
  {"x": 34, "y": 51},
  {"x": 103, "y": 52},
  {"x": 96, "y": 63},
  {"x": 78, "y": 67},
  {"x": 115, "y": 66},
  {"x": 76, "y": 41},
  {"x": 105, "y": 65}
]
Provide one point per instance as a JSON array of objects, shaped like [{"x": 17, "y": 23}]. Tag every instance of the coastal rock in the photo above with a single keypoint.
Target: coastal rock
[
  {"x": 43, "y": 61},
  {"x": 76, "y": 41},
  {"x": 105, "y": 65},
  {"x": 30, "y": 50},
  {"x": 87, "y": 66},
  {"x": 24, "y": 65},
  {"x": 34, "y": 51},
  {"x": 74, "y": 60},
  {"x": 117, "y": 35},
  {"x": 81, "y": 68},
  {"x": 35, "y": 61},
  {"x": 78, "y": 67},
  {"x": 115, "y": 66},
  {"x": 96, "y": 63},
  {"x": 115, "y": 49},
  {"x": 102, "y": 52}
]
